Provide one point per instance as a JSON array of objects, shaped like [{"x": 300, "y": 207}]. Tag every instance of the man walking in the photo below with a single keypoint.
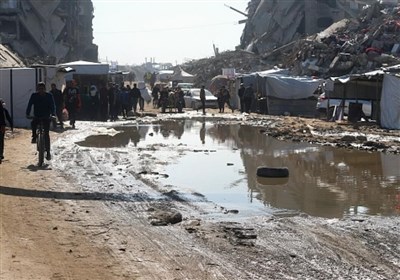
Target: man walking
[
  {"x": 135, "y": 96},
  {"x": 59, "y": 102},
  {"x": 203, "y": 99},
  {"x": 241, "y": 97},
  {"x": 72, "y": 101}
]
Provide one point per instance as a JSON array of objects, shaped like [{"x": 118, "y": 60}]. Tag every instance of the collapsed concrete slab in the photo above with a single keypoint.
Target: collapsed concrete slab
[{"x": 48, "y": 32}]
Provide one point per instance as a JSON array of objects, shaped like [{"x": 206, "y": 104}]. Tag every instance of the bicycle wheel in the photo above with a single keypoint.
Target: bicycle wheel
[{"x": 40, "y": 149}]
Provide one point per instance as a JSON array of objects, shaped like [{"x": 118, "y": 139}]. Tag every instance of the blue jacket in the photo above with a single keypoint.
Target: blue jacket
[{"x": 43, "y": 105}]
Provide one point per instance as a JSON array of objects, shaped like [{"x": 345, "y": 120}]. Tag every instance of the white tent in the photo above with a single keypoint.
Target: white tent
[{"x": 182, "y": 76}]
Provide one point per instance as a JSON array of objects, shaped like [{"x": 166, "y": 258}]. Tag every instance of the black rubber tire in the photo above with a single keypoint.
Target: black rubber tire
[{"x": 273, "y": 172}]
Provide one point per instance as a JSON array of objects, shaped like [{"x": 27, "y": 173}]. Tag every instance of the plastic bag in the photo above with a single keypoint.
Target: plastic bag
[{"x": 65, "y": 115}]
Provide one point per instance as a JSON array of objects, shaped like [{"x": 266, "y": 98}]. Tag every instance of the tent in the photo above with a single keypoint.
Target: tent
[
  {"x": 379, "y": 86},
  {"x": 277, "y": 93},
  {"x": 180, "y": 76}
]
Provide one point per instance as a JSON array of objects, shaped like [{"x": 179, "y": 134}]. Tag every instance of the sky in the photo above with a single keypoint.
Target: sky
[{"x": 131, "y": 31}]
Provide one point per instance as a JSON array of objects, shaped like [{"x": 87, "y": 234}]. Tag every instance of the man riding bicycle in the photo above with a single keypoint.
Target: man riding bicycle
[{"x": 44, "y": 108}]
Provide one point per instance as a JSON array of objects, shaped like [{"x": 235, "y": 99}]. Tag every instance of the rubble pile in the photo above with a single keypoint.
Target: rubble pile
[
  {"x": 207, "y": 68},
  {"x": 347, "y": 47}
]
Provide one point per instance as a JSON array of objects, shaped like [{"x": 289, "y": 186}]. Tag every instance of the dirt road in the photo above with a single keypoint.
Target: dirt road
[{"x": 52, "y": 227}]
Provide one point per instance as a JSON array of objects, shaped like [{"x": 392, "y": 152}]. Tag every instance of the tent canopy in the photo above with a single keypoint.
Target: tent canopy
[
  {"x": 277, "y": 83},
  {"x": 182, "y": 76}
]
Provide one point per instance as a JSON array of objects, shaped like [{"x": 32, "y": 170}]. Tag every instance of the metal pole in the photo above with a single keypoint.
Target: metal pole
[{"x": 11, "y": 95}]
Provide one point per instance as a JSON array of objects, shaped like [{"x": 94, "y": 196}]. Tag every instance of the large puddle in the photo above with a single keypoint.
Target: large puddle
[{"x": 223, "y": 159}]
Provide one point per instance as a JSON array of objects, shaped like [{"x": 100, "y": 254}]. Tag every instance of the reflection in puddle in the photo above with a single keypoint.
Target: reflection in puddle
[{"x": 323, "y": 181}]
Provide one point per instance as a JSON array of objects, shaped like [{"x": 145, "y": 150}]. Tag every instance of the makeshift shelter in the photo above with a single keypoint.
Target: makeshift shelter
[
  {"x": 277, "y": 93},
  {"x": 18, "y": 84},
  {"x": 381, "y": 87},
  {"x": 357, "y": 87},
  {"x": 180, "y": 76}
]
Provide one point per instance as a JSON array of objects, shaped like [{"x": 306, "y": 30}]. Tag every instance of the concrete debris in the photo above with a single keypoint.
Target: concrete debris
[
  {"x": 8, "y": 59},
  {"x": 349, "y": 46},
  {"x": 274, "y": 23},
  {"x": 205, "y": 69}
]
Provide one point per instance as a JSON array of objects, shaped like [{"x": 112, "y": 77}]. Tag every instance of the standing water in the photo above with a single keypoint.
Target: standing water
[{"x": 221, "y": 161}]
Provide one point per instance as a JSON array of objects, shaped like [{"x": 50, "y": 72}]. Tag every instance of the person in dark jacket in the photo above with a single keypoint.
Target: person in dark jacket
[
  {"x": 103, "y": 102},
  {"x": 241, "y": 97},
  {"x": 43, "y": 109},
  {"x": 4, "y": 116},
  {"x": 72, "y": 101},
  {"x": 135, "y": 96},
  {"x": 59, "y": 102},
  {"x": 248, "y": 98}
]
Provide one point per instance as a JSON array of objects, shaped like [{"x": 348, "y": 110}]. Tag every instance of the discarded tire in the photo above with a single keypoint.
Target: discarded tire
[{"x": 273, "y": 172}]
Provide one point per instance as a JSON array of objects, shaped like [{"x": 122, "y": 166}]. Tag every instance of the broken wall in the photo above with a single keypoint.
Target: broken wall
[
  {"x": 49, "y": 32},
  {"x": 274, "y": 23}
]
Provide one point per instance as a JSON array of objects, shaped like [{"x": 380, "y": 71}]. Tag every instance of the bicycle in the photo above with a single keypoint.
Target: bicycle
[{"x": 40, "y": 139}]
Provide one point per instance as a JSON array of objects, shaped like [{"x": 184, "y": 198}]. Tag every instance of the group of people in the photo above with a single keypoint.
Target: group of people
[
  {"x": 111, "y": 100},
  {"x": 166, "y": 98},
  {"x": 245, "y": 94},
  {"x": 119, "y": 100}
]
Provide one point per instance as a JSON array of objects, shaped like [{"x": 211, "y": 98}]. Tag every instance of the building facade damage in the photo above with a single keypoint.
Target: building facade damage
[
  {"x": 49, "y": 32},
  {"x": 274, "y": 23}
]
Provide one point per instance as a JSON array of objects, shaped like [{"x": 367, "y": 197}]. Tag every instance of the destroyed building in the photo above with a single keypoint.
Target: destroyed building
[
  {"x": 48, "y": 31},
  {"x": 351, "y": 45},
  {"x": 274, "y": 23}
]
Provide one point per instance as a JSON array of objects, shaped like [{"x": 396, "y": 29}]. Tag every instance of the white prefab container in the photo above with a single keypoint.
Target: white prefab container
[{"x": 17, "y": 85}]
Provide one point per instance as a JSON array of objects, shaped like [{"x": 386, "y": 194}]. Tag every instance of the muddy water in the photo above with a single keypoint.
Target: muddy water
[{"x": 221, "y": 163}]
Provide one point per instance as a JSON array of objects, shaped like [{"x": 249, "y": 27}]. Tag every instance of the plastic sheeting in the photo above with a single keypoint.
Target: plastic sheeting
[
  {"x": 287, "y": 87},
  {"x": 390, "y": 102}
]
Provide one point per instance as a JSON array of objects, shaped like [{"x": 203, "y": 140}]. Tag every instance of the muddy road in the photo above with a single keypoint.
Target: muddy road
[{"x": 105, "y": 208}]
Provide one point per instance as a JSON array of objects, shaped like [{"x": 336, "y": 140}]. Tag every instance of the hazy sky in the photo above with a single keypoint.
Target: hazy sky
[{"x": 129, "y": 31}]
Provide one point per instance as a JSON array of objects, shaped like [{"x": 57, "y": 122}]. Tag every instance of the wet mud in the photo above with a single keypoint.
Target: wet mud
[{"x": 176, "y": 197}]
